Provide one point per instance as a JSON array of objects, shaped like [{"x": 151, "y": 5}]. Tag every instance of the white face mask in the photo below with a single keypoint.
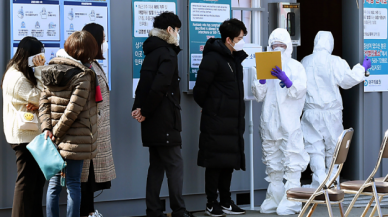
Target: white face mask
[
  {"x": 239, "y": 45},
  {"x": 279, "y": 49},
  {"x": 104, "y": 47}
]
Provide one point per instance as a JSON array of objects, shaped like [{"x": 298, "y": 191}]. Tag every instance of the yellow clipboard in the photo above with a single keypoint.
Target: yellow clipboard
[{"x": 265, "y": 62}]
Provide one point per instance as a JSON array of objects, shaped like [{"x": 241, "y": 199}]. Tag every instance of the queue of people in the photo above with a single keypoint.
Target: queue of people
[{"x": 71, "y": 98}]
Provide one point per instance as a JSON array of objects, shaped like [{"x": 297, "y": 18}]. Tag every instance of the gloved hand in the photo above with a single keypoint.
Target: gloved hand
[
  {"x": 367, "y": 63},
  {"x": 282, "y": 85},
  {"x": 263, "y": 81},
  {"x": 282, "y": 76}
]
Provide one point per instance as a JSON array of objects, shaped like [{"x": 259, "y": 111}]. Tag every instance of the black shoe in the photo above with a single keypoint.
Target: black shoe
[
  {"x": 214, "y": 209},
  {"x": 232, "y": 209},
  {"x": 187, "y": 214}
]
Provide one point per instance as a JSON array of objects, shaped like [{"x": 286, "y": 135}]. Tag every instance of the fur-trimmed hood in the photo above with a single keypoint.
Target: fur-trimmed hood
[
  {"x": 164, "y": 35},
  {"x": 159, "y": 38}
]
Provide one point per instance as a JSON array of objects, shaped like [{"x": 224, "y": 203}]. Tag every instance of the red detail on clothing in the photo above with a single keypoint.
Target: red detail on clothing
[{"x": 98, "y": 94}]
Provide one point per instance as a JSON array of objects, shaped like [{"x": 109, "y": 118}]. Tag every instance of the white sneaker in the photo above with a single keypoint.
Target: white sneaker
[{"x": 96, "y": 214}]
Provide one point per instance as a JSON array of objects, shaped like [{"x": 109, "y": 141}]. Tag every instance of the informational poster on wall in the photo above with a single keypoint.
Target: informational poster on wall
[
  {"x": 375, "y": 44},
  {"x": 53, "y": 21},
  {"x": 144, "y": 12},
  {"x": 39, "y": 19},
  {"x": 76, "y": 14},
  {"x": 205, "y": 18}
]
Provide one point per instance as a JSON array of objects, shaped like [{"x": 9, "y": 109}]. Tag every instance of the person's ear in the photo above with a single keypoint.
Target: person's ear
[
  {"x": 169, "y": 29},
  {"x": 228, "y": 40}
]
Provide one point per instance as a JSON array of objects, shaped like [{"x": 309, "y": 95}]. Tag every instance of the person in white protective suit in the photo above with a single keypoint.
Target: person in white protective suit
[
  {"x": 322, "y": 117},
  {"x": 282, "y": 139}
]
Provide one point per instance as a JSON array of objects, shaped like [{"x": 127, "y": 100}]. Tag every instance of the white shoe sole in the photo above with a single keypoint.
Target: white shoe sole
[
  {"x": 210, "y": 214},
  {"x": 228, "y": 212}
]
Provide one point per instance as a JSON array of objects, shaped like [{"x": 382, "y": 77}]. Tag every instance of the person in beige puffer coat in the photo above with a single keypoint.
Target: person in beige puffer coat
[{"x": 68, "y": 115}]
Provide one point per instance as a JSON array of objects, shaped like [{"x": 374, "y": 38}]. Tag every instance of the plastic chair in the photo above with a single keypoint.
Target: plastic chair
[
  {"x": 370, "y": 186},
  {"x": 325, "y": 194}
]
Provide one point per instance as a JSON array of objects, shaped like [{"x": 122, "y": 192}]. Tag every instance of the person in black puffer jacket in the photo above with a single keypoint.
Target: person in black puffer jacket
[
  {"x": 219, "y": 92},
  {"x": 157, "y": 108}
]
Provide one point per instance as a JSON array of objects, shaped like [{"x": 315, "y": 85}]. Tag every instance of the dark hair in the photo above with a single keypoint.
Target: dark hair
[
  {"x": 166, "y": 19},
  {"x": 98, "y": 33},
  {"x": 232, "y": 28},
  {"x": 28, "y": 46},
  {"x": 82, "y": 46}
]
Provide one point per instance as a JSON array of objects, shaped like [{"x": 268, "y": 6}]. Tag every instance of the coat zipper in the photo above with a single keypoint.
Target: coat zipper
[{"x": 230, "y": 67}]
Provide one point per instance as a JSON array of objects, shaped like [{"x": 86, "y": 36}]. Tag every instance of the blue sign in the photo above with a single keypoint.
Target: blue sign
[
  {"x": 205, "y": 18},
  {"x": 375, "y": 44}
]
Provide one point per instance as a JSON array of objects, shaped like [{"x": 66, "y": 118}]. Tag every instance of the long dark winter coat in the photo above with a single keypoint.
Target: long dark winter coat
[
  {"x": 219, "y": 91},
  {"x": 158, "y": 93}
]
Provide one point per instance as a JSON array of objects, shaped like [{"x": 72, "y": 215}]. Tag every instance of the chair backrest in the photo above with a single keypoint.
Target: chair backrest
[
  {"x": 384, "y": 145},
  {"x": 344, "y": 143}
]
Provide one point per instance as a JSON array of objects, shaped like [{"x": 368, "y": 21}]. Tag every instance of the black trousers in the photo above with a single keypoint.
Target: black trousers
[
  {"x": 169, "y": 160},
  {"x": 27, "y": 199},
  {"x": 218, "y": 179}
]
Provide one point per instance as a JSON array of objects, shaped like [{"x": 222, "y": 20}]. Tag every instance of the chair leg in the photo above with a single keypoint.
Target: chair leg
[
  {"x": 341, "y": 209},
  {"x": 374, "y": 208},
  {"x": 353, "y": 202},
  {"x": 305, "y": 207},
  {"x": 377, "y": 200},
  {"x": 368, "y": 206},
  {"x": 328, "y": 204},
  {"x": 312, "y": 210}
]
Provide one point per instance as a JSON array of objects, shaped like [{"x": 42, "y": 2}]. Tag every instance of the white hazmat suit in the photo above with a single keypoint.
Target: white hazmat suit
[
  {"x": 282, "y": 139},
  {"x": 322, "y": 117}
]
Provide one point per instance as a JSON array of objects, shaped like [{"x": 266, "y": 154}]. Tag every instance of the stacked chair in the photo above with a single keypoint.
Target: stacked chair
[
  {"x": 326, "y": 194},
  {"x": 377, "y": 188}
]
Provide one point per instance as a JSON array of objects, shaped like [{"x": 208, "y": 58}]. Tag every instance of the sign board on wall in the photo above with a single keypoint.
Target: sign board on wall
[
  {"x": 205, "y": 18},
  {"x": 53, "y": 21},
  {"x": 375, "y": 44},
  {"x": 144, "y": 12}
]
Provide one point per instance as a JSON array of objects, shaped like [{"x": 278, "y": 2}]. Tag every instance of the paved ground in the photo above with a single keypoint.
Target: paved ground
[{"x": 319, "y": 211}]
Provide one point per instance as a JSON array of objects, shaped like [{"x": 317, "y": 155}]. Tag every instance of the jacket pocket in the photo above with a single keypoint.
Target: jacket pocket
[{"x": 220, "y": 105}]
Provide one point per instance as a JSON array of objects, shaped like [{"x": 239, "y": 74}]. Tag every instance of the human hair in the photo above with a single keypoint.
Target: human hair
[
  {"x": 98, "y": 33},
  {"x": 82, "y": 46},
  {"x": 232, "y": 28},
  {"x": 28, "y": 46},
  {"x": 166, "y": 19}
]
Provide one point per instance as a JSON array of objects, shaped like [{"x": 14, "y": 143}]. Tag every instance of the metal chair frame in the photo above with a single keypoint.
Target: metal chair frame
[
  {"x": 370, "y": 182},
  {"x": 323, "y": 189}
]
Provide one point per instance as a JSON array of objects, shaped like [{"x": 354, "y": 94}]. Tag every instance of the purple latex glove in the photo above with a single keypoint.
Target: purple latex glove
[
  {"x": 282, "y": 76},
  {"x": 262, "y": 81},
  {"x": 367, "y": 63}
]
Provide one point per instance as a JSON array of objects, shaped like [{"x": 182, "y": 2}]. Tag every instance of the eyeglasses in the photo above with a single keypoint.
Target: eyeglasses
[
  {"x": 279, "y": 45},
  {"x": 177, "y": 31}
]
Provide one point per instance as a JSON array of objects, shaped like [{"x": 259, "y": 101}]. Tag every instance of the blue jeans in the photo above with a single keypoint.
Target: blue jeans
[{"x": 73, "y": 184}]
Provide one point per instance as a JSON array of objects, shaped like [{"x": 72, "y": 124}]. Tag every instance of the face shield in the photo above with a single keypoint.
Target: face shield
[{"x": 278, "y": 46}]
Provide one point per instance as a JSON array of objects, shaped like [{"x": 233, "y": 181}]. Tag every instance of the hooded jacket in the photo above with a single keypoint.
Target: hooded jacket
[
  {"x": 326, "y": 73},
  {"x": 219, "y": 92},
  {"x": 158, "y": 93},
  {"x": 68, "y": 107}
]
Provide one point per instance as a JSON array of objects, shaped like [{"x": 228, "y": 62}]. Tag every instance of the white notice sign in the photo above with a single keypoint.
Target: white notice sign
[
  {"x": 38, "y": 20},
  {"x": 214, "y": 13},
  {"x": 144, "y": 14},
  {"x": 375, "y": 23}
]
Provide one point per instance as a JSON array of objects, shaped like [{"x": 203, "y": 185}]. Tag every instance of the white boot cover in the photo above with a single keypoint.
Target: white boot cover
[
  {"x": 287, "y": 207},
  {"x": 275, "y": 193}
]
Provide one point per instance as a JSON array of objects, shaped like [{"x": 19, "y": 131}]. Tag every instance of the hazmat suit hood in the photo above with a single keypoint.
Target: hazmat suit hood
[
  {"x": 281, "y": 35},
  {"x": 324, "y": 41}
]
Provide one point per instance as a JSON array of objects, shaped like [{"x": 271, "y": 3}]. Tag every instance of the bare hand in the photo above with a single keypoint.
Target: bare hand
[
  {"x": 38, "y": 60},
  {"x": 141, "y": 119},
  {"x": 136, "y": 114},
  {"x": 48, "y": 133},
  {"x": 32, "y": 107}
]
